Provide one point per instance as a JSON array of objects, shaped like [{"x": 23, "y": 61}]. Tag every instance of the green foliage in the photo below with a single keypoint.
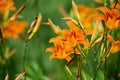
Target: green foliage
[{"x": 38, "y": 66}]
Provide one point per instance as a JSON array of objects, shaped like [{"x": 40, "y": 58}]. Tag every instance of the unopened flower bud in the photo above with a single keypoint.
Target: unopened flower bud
[
  {"x": 75, "y": 10},
  {"x": 17, "y": 13},
  {"x": 34, "y": 26},
  {"x": 55, "y": 28}
]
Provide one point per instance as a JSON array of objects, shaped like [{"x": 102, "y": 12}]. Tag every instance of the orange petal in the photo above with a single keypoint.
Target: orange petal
[
  {"x": 115, "y": 47},
  {"x": 111, "y": 38},
  {"x": 50, "y": 50},
  {"x": 68, "y": 58},
  {"x": 53, "y": 56},
  {"x": 104, "y": 10},
  {"x": 71, "y": 24},
  {"x": 99, "y": 17},
  {"x": 115, "y": 12},
  {"x": 89, "y": 32},
  {"x": 85, "y": 42}
]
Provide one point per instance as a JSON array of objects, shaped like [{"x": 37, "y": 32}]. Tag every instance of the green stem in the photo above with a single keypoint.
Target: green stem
[
  {"x": 104, "y": 39},
  {"x": 105, "y": 74},
  {"x": 81, "y": 26},
  {"x": 106, "y": 52},
  {"x": 63, "y": 68},
  {"x": 84, "y": 57},
  {"x": 24, "y": 56},
  {"x": 95, "y": 73},
  {"x": 4, "y": 63}
]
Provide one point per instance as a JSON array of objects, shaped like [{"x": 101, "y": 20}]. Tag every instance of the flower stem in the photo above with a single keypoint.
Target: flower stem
[
  {"x": 116, "y": 1},
  {"x": 63, "y": 68},
  {"x": 24, "y": 56},
  {"x": 4, "y": 63}
]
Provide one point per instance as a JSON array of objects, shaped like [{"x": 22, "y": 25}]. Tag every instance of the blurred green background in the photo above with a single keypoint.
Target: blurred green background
[{"x": 38, "y": 65}]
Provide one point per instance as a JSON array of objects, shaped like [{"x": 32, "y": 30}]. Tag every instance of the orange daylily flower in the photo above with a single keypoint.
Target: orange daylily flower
[
  {"x": 61, "y": 51},
  {"x": 13, "y": 28},
  {"x": 10, "y": 27},
  {"x": 6, "y": 5},
  {"x": 111, "y": 17},
  {"x": 66, "y": 41},
  {"x": 91, "y": 26},
  {"x": 84, "y": 11},
  {"x": 74, "y": 36},
  {"x": 87, "y": 14}
]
